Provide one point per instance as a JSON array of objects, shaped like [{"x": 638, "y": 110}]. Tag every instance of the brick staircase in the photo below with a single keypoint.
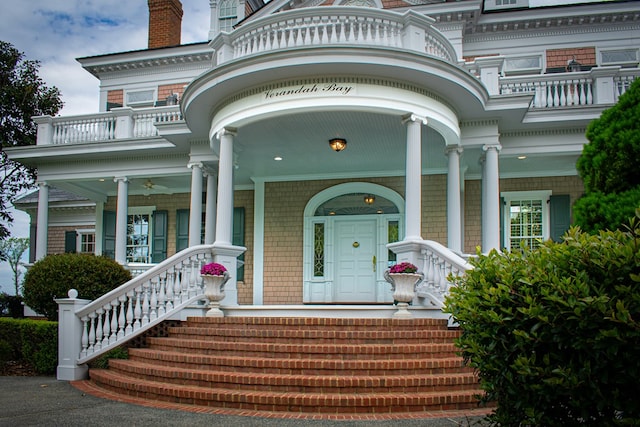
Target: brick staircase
[{"x": 299, "y": 366}]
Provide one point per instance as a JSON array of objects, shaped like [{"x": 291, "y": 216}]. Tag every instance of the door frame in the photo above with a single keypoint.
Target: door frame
[{"x": 319, "y": 289}]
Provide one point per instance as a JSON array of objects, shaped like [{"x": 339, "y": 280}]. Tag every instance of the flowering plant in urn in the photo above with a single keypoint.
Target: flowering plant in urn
[
  {"x": 403, "y": 278},
  {"x": 213, "y": 269},
  {"x": 214, "y": 276}
]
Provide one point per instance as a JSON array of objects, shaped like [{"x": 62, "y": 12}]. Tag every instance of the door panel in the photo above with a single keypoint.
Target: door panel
[{"x": 355, "y": 276}]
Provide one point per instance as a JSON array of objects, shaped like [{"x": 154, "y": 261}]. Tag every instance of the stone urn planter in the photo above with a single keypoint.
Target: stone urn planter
[
  {"x": 403, "y": 278},
  {"x": 214, "y": 277}
]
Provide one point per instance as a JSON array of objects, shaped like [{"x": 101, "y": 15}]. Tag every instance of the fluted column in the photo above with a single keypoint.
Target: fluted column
[
  {"x": 195, "y": 208},
  {"x": 43, "y": 220},
  {"x": 454, "y": 215},
  {"x": 224, "y": 217},
  {"x": 491, "y": 199},
  {"x": 413, "y": 177},
  {"x": 210, "y": 208},
  {"x": 122, "y": 209}
]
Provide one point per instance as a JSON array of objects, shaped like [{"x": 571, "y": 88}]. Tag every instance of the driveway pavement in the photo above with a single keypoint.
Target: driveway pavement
[{"x": 45, "y": 401}]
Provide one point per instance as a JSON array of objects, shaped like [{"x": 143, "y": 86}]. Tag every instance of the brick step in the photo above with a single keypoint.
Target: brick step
[
  {"x": 319, "y": 322},
  {"x": 328, "y": 351},
  {"x": 295, "y": 383},
  {"x": 317, "y": 335},
  {"x": 320, "y": 403},
  {"x": 292, "y": 366}
]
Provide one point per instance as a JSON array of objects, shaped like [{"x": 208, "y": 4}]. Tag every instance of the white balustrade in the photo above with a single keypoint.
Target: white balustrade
[
  {"x": 144, "y": 301},
  {"x": 438, "y": 265}
]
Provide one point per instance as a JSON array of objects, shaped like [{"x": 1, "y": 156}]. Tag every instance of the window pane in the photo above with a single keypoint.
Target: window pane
[
  {"x": 355, "y": 204},
  {"x": 526, "y": 223},
  {"x": 138, "y": 239},
  {"x": 318, "y": 249}
]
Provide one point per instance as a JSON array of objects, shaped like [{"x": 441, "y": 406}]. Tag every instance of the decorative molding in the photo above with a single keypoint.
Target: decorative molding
[{"x": 544, "y": 132}]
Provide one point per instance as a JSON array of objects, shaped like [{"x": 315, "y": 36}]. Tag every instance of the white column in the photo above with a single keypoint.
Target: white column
[
  {"x": 195, "y": 209},
  {"x": 224, "y": 218},
  {"x": 258, "y": 242},
  {"x": 122, "y": 210},
  {"x": 413, "y": 177},
  {"x": 491, "y": 199},
  {"x": 454, "y": 222},
  {"x": 43, "y": 221},
  {"x": 210, "y": 208}
]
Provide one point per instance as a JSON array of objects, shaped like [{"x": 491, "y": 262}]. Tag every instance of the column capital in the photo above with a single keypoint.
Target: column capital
[
  {"x": 42, "y": 184},
  {"x": 453, "y": 149},
  {"x": 407, "y": 118},
  {"x": 227, "y": 131},
  {"x": 208, "y": 171},
  {"x": 191, "y": 165},
  {"x": 488, "y": 147},
  {"x": 120, "y": 179}
]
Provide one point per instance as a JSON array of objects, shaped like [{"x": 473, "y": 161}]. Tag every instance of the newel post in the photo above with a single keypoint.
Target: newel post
[
  {"x": 45, "y": 130},
  {"x": 70, "y": 338}
]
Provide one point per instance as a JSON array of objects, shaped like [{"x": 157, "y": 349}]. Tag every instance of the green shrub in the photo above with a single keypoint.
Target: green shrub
[
  {"x": 102, "y": 362},
  {"x": 5, "y": 353},
  {"x": 11, "y": 305},
  {"x": 597, "y": 211},
  {"x": 33, "y": 341},
  {"x": 554, "y": 333},
  {"x": 54, "y": 275}
]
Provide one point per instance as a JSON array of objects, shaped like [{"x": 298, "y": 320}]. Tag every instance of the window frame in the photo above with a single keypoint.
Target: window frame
[
  {"x": 141, "y": 210},
  {"x": 511, "y": 196}
]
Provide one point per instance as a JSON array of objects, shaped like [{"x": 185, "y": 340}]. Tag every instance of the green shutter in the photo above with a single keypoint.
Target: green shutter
[
  {"x": 238, "y": 236},
  {"x": 70, "y": 239},
  {"x": 503, "y": 207},
  {"x": 109, "y": 234},
  {"x": 182, "y": 229},
  {"x": 559, "y": 215},
  {"x": 159, "y": 242}
]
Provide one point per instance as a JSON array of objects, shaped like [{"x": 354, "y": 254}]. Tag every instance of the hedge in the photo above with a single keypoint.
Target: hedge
[{"x": 34, "y": 341}]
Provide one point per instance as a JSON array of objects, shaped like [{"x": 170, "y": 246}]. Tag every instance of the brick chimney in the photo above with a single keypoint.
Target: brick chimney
[{"x": 165, "y": 23}]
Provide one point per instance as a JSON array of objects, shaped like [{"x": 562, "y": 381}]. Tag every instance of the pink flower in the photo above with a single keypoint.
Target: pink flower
[
  {"x": 213, "y": 269},
  {"x": 403, "y": 267}
]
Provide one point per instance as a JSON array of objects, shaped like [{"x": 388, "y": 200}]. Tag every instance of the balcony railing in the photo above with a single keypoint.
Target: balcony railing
[
  {"x": 327, "y": 26},
  {"x": 119, "y": 123}
]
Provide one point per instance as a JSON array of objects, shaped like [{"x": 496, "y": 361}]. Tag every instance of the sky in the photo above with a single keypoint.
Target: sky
[{"x": 56, "y": 32}]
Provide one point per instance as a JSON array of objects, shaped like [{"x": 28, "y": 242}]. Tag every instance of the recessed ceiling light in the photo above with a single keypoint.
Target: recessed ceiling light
[
  {"x": 101, "y": 180},
  {"x": 277, "y": 158},
  {"x": 522, "y": 157}
]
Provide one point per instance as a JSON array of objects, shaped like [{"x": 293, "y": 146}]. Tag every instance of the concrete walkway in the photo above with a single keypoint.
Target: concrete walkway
[{"x": 44, "y": 401}]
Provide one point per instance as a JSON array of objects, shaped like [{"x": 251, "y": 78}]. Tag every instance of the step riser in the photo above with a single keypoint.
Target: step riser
[
  {"x": 290, "y": 402},
  {"x": 282, "y": 323}
]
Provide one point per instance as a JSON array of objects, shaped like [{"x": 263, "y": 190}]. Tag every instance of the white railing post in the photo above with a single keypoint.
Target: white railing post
[
  {"x": 71, "y": 331},
  {"x": 45, "y": 130},
  {"x": 490, "y": 68},
  {"x": 124, "y": 122},
  {"x": 603, "y": 84}
]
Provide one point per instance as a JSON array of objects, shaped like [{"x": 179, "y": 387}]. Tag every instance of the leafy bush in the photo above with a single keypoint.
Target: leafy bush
[
  {"x": 54, "y": 275},
  {"x": 554, "y": 333},
  {"x": 34, "y": 341},
  {"x": 11, "y": 305},
  {"x": 102, "y": 362},
  {"x": 599, "y": 211}
]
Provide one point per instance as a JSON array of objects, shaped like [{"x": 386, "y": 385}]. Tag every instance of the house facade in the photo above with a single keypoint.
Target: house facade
[{"x": 315, "y": 143}]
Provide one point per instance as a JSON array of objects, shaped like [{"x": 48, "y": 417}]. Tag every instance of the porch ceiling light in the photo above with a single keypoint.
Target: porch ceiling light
[
  {"x": 338, "y": 144},
  {"x": 369, "y": 199}
]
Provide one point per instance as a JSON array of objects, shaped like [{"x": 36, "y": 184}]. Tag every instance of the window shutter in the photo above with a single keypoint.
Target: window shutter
[
  {"x": 70, "y": 239},
  {"x": 109, "y": 234},
  {"x": 159, "y": 242},
  {"x": 559, "y": 215},
  {"x": 238, "y": 236},
  {"x": 503, "y": 207},
  {"x": 182, "y": 229}
]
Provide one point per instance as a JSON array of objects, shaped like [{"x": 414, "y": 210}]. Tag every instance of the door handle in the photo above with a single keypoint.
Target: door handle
[{"x": 373, "y": 260}]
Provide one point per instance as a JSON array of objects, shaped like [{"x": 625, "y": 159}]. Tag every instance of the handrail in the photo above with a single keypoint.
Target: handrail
[{"x": 142, "y": 302}]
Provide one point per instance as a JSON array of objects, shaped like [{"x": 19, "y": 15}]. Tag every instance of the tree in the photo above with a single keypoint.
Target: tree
[
  {"x": 608, "y": 166},
  {"x": 23, "y": 94},
  {"x": 11, "y": 250}
]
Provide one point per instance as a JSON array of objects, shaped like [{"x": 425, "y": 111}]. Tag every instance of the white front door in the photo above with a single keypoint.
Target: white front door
[{"x": 355, "y": 275}]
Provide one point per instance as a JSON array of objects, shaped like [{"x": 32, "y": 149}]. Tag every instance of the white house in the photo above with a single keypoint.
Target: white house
[{"x": 320, "y": 142}]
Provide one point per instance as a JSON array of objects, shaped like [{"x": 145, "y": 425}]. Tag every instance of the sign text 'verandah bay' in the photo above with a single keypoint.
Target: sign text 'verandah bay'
[{"x": 309, "y": 89}]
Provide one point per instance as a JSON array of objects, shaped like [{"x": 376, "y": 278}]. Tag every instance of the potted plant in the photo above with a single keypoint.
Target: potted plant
[
  {"x": 214, "y": 276},
  {"x": 403, "y": 278}
]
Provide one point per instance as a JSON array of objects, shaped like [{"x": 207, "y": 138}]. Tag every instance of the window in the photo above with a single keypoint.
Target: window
[
  {"x": 87, "y": 241},
  {"x": 227, "y": 15},
  {"x": 523, "y": 65},
  {"x": 526, "y": 219},
  {"x": 318, "y": 249},
  {"x": 139, "y": 236},
  {"x": 141, "y": 97},
  {"x": 623, "y": 57},
  {"x": 393, "y": 235}
]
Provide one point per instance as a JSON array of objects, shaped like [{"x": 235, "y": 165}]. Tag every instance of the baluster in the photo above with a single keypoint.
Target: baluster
[
  {"x": 291, "y": 41},
  {"x": 106, "y": 330},
  {"x": 268, "y": 43},
  {"x": 99, "y": 333},
  {"x": 177, "y": 286},
  {"x": 556, "y": 95},
  {"x": 168, "y": 284},
  {"x": 114, "y": 322},
  {"x": 589, "y": 94},
  {"x": 575, "y": 84},
  {"x": 193, "y": 277},
  {"x": 360, "y": 34},
  {"x": 84, "y": 340},
  {"x": 428, "y": 277},
  {"x": 121, "y": 317},
  {"x": 145, "y": 304},
  {"x": 153, "y": 313},
  {"x": 137, "y": 311},
  {"x": 129, "y": 329},
  {"x": 162, "y": 297},
  {"x": 342, "y": 30},
  {"x": 184, "y": 283},
  {"x": 582, "y": 95},
  {"x": 563, "y": 95}
]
